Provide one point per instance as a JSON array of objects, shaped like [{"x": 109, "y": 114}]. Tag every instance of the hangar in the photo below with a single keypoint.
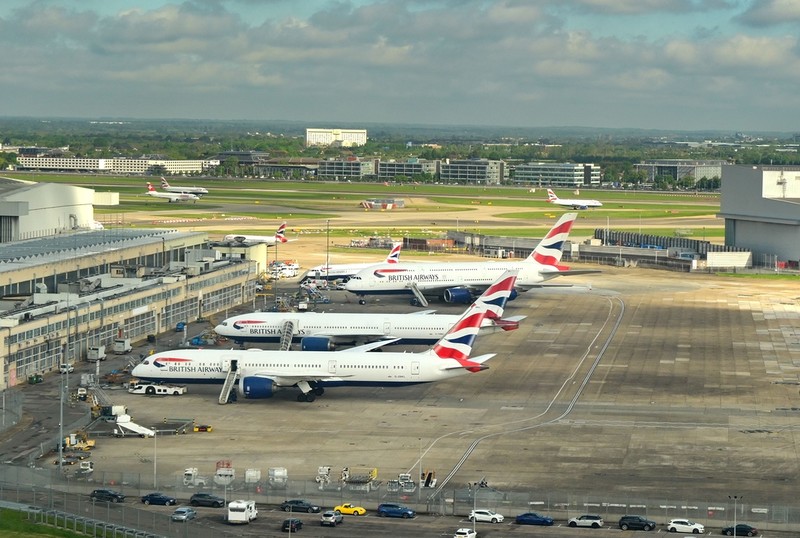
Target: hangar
[{"x": 761, "y": 208}]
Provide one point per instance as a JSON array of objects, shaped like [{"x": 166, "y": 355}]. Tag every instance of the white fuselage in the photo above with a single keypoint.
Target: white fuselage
[
  {"x": 340, "y": 328},
  {"x": 268, "y": 240},
  {"x": 433, "y": 277},
  {"x": 198, "y": 191},
  {"x": 174, "y": 197},
  {"x": 288, "y": 368},
  {"x": 338, "y": 271},
  {"x": 576, "y": 204}
]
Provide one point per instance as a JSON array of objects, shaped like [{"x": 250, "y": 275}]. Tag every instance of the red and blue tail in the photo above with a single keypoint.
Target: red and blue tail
[
  {"x": 548, "y": 251},
  {"x": 496, "y": 296},
  {"x": 457, "y": 343},
  {"x": 280, "y": 235},
  {"x": 164, "y": 182},
  {"x": 394, "y": 255}
]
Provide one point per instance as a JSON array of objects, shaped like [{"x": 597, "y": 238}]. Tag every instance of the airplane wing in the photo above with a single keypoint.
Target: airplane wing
[
  {"x": 423, "y": 313},
  {"x": 371, "y": 345}
]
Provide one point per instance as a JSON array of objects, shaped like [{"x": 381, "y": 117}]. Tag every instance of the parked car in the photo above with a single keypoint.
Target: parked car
[
  {"x": 206, "y": 499},
  {"x": 636, "y": 523},
  {"x": 331, "y": 518},
  {"x": 586, "y": 520},
  {"x": 395, "y": 510},
  {"x": 684, "y": 525},
  {"x": 159, "y": 498},
  {"x": 351, "y": 509},
  {"x": 465, "y": 533},
  {"x": 65, "y": 368},
  {"x": 184, "y": 513},
  {"x": 291, "y": 524},
  {"x": 486, "y": 515},
  {"x": 742, "y": 529},
  {"x": 108, "y": 495},
  {"x": 532, "y": 518},
  {"x": 299, "y": 505}
]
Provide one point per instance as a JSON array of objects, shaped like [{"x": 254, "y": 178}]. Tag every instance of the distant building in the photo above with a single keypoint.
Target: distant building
[
  {"x": 346, "y": 169},
  {"x": 472, "y": 171},
  {"x": 245, "y": 158},
  {"x": 681, "y": 169},
  {"x": 116, "y": 165},
  {"x": 408, "y": 168},
  {"x": 343, "y": 138},
  {"x": 557, "y": 174}
]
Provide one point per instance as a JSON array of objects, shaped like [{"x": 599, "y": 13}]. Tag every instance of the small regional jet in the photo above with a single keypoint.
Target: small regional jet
[
  {"x": 322, "y": 331},
  {"x": 259, "y": 373},
  {"x": 269, "y": 240},
  {"x": 573, "y": 203},
  {"x": 460, "y": 282},
  {"x": 345, "y": 271},
  {"x": 171, "y": 196},
  {"x": 166, "y": 187}
]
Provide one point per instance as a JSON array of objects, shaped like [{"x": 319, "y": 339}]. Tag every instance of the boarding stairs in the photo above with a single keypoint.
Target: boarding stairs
[
  {"x": 228, "y": 384},
  {"x": 287, "y": 334}
]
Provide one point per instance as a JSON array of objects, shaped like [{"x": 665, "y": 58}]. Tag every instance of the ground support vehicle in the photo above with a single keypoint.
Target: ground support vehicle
[
  {"x": 241, "y": 511},
  {"x": 153, "y": 389}
]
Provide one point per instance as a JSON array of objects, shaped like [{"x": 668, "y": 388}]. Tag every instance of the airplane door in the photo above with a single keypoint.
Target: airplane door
[
  {"x": 414, "y": 367},
  {"x": 332, "y": 367},
  {"x": 387, "y": 328}
]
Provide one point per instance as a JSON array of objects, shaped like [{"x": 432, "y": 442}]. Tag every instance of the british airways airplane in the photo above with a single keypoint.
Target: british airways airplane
[
  {"x": 321, "y": 331},
  {"x": 166, "y": 187},
  {"x": 573, "y": 203},
  {"x": 258, "y": 373},
  {"x": 345, "y": 271},
  {"x": 269, "y": 240},
  {"x": 459, "y": 282},
  {"x": 171, "y": 196}
]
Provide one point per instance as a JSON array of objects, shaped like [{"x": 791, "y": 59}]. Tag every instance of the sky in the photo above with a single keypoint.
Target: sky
[{"x": 730, "y": 65}]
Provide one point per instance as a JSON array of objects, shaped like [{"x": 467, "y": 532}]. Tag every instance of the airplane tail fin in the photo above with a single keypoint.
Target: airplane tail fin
[
  {"x": 280, "y": 235},
  {"x": 549, "y": 250},
  {"x": 164, "y": 182},
  {"x": 551, "y": 196},
  {"x": 457, "y": 343},
  {"x": 496, "y": 296},
  {"x": 150, "y": 187},
  {"x": 394, "y": 255}
]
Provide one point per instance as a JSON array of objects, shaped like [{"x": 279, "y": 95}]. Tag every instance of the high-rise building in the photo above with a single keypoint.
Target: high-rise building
[{"x": 343, "y": 138}]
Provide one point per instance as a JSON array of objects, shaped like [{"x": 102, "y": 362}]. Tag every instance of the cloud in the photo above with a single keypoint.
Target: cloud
[{"x": 771, "y": 13}]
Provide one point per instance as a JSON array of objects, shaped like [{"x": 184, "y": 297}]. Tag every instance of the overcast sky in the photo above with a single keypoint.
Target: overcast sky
[{"x": 672, "y": 64}]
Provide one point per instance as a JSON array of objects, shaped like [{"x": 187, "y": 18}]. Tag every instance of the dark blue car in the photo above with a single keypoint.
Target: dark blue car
[
  {"x": 532, "y": 518},
  {"x": 395, "y": 510}
]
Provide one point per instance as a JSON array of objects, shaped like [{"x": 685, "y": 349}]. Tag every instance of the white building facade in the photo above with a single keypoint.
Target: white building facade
[{"x": 344, "y": 138}]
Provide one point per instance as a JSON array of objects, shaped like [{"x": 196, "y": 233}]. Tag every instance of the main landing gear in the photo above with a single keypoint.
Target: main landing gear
[{"x": 310, "y": 391}]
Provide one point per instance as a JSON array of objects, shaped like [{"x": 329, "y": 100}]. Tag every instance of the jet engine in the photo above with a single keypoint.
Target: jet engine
[
  {"x": 317, "y": 343},
  {"x": 458, "y": 296},
  {"x": 256, "y": 388}
]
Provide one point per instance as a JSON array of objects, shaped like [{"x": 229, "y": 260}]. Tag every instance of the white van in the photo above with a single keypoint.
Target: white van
[{"x": 242, "y": 511}]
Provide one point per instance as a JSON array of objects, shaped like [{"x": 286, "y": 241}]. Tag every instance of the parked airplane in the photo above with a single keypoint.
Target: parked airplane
[
  {"x": 345, "y": 271},
  {"x": 269, "y": 240},
  {"x": 166, "y": 187},
  {"x": 171, "y": 196},
  {"x": 573, "y": 203},
  {"x": 459, "y": 282},
  {"x": 320, "y": 331},
  {"x": 260, "y": 373}
]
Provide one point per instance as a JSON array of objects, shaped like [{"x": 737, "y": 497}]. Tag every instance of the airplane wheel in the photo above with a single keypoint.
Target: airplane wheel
[
  {"x": 319, "y": 391},
  {"x": 301, "y": 397},
  {"x": 362, "y": 302},
  {"x": 310, "y": 397}
]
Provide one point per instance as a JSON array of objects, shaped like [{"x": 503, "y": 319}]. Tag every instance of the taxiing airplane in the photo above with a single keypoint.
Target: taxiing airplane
[
  {"x": 573, "y": 203},
  {"x": 345, "y": 271},
  {"x": 269, "y": 240},
  {"x": 171, "y": 196},
  {"x": 321, "y": 331},
  {"x": 459, "y": 282},
  {"x": 166, "y": 187},
  {"x": 259, "y": 373}
]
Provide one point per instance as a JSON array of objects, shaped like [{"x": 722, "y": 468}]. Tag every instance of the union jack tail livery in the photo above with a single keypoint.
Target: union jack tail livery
[
  {"x": 551, "y": 196},
  {"x": 280, "y": 235},
  {"x": 548, "y": 251},
  {"x": 394, "y": 255},
  {"x": 164, "y": 183},
  {"x": 457, "y": 343}
]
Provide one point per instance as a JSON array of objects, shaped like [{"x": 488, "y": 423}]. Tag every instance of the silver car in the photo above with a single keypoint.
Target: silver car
[
  {"x": 331, "y": 517},
  {"x": 183, "y": 514}
]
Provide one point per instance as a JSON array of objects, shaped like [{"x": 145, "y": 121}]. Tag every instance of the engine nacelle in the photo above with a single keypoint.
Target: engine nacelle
[
  {"x": 256, "y": 388},
  {"x": 457, "y": 295},
  {"x": 317, "y": 343}
]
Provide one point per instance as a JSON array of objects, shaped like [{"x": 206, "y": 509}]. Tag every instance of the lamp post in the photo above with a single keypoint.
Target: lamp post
[
  {"x": 474, "y": 504},
  {"x": 736, "y": 499},
  {"x": 155, "y": 458},
  {"x": 327, "y": 248}
]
